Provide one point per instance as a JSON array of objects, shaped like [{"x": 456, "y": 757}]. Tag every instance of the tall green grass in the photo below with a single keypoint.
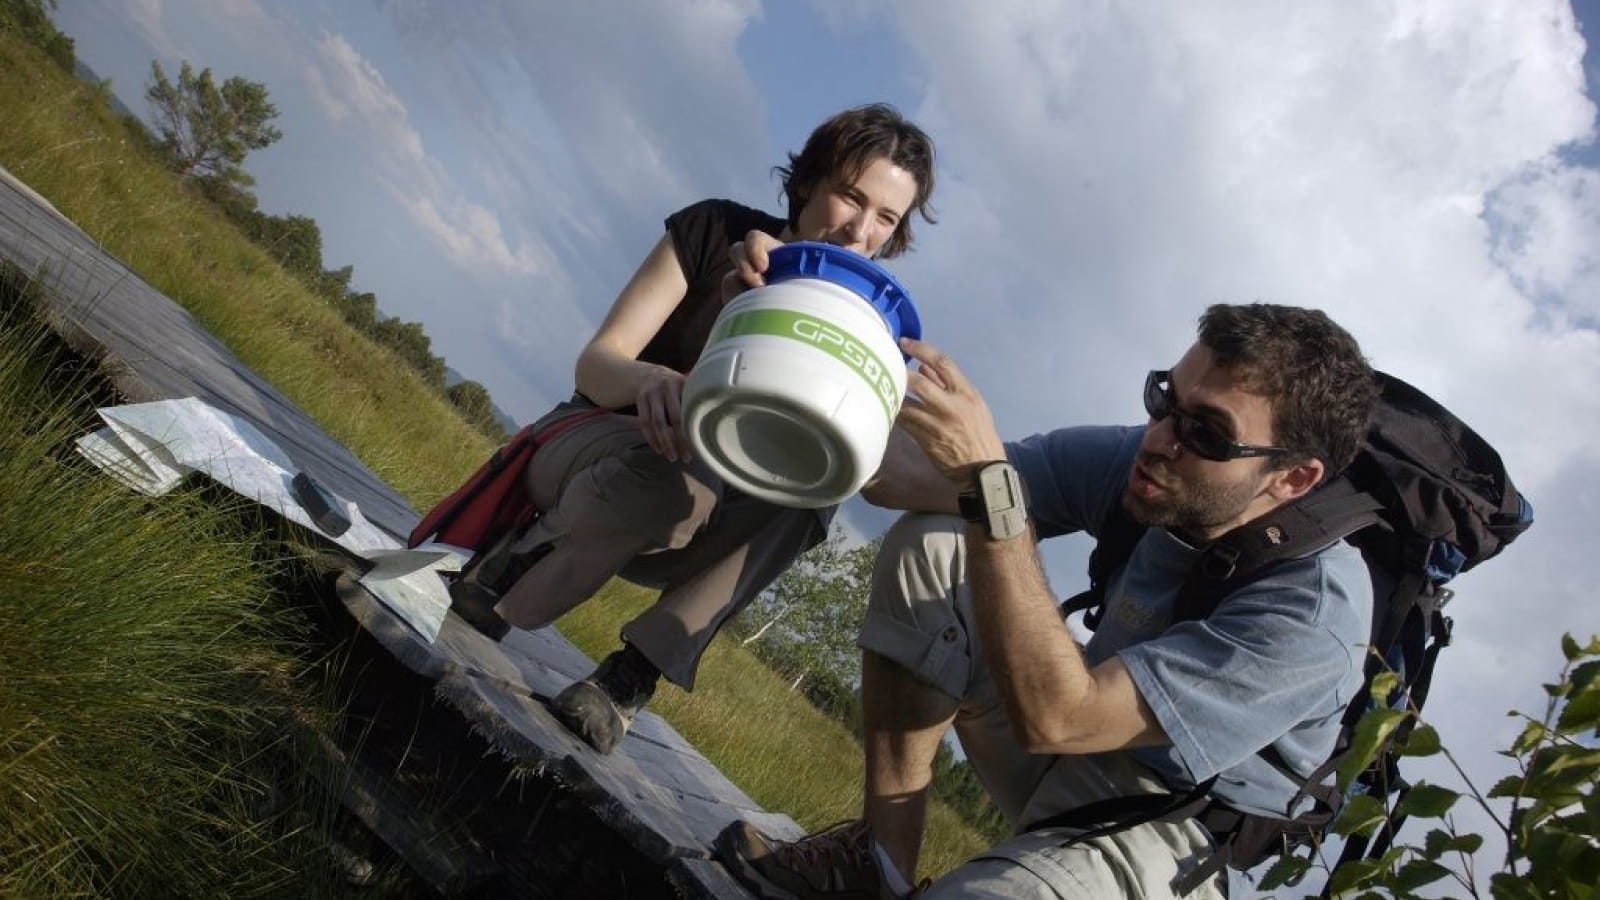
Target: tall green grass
[
  {"x": 146, "y": 674},
  {"x": 60, "y": 138}
]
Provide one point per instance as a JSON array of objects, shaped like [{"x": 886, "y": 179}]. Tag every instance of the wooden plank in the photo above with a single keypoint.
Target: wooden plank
[
  {"x": 655, "y": 748},
  {"x": 665, "y": 825},
  {"x": 157, "y": 350},
  {"x": 432, "y": 849},
  {"x": 703, "y": 878},
  {"x": 611, "y": 785},
  {"x": 459, "y": 646}
]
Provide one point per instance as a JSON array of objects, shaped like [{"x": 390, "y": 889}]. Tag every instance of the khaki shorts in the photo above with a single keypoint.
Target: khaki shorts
[{"x": 919, "y": 615}]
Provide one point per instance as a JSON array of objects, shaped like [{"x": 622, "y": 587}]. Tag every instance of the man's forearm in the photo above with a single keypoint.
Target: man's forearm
[
  {"x": 907, "y": 480},
  {"x": 1037, "y": 666},
  {"x": 1056, "y": 702}
]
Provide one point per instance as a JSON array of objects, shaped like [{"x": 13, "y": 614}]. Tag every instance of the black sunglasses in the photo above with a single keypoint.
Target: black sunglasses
[{"x": 1197, "y": 435}]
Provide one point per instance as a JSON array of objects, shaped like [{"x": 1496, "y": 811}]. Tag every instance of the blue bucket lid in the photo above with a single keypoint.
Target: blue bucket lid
[{"x": 851, "y": 270}]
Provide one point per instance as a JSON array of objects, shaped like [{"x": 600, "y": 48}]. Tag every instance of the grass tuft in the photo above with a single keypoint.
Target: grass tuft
[{"x": 148, "y": 673}]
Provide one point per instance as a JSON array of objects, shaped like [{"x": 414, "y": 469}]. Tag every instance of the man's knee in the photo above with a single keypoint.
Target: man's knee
[
  {"x": 917, "y": 615},
  {"x": 923, "y": 555}
]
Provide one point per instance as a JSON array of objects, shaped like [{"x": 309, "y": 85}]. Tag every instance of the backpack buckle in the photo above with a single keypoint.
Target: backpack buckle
[{"x": 1218, "y": 563}]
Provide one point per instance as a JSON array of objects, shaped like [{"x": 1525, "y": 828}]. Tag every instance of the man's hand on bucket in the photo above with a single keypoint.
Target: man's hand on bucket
[{"x": 946, "y": 416}]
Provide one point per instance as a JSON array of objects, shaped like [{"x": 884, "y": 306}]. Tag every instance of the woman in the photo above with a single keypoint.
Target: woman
[{"x": 620, "y": 490}]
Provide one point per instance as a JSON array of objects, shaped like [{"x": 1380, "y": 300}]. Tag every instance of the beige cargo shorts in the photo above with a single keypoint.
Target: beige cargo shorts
[{"x": 919, "y": 615}]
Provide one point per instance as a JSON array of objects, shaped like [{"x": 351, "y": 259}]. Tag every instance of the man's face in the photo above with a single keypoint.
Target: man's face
[{"x": 1199, "y": 499}]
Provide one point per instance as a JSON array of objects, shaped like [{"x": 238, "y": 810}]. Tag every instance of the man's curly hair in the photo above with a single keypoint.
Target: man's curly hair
[{"x": 1321, "y": 388}]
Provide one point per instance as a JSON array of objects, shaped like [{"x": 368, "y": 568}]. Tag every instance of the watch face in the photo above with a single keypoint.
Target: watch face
[
  {"x": 1001, "y": 490},
  {"x": 998, "y": 484}
]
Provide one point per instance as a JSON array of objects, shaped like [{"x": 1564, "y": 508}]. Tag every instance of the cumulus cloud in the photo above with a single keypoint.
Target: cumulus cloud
[
  {"x": 470, "y": 234},
  {"x": 608, "y": 114},
  {"x": 1548, "y": 237},
  {"x": 145, "y": 16},
  {"x": 247, "y": 20},
  {"x": 351, "y": 91},
  {"x": 589, "y": 123},
  {"x": 1115, "y": 169}
]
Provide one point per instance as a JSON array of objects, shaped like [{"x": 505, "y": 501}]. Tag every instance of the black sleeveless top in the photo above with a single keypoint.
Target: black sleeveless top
[{"x": 702, "y": 234}]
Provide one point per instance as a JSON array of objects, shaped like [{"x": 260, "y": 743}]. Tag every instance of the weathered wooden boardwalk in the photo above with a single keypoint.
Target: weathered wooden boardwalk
[{"x": 656, "y": 794}]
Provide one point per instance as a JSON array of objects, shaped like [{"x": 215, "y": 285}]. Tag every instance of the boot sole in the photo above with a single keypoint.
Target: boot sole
[
  {"x": 729, "y": 852},
  {"x": 587, "y": 712},
  {"x": 471, "y": 606}
]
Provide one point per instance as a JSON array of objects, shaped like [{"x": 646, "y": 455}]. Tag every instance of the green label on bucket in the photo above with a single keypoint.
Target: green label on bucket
[{"x": 825, "y": 336}]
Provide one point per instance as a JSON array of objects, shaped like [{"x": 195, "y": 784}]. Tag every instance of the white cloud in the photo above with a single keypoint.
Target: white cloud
[
  {"x": 323, "y": 95},
  {"x": 145, "y": 16},
  {"x": 589, "y": 123},
  {"x": 1549, "y": 239},
  {"x": 248, "y": 20},
  {"x": 609, "y": 114},
  {"x": 353, "y": 93},
  {"x": 469, "y": 233},
  {"x": 266, "y": 30},
  {"x": 1111, "y": 170}
]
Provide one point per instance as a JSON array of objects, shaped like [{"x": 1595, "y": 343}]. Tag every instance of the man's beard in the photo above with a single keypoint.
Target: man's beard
[{"x": 1188, "y": 508}]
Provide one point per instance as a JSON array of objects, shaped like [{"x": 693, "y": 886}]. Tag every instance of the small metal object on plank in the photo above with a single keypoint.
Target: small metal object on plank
[{"x": 322, "y": 505}]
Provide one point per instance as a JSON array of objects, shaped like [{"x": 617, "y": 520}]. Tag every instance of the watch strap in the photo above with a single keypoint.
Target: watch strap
[{"x": 970, "y": 504}]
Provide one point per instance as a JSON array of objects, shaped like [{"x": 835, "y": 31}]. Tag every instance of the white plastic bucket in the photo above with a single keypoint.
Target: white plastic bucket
[{"x": 799, "y": 383}]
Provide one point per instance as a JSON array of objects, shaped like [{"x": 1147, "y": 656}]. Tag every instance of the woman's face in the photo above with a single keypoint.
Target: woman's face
[{"x": 858, "y": 215}]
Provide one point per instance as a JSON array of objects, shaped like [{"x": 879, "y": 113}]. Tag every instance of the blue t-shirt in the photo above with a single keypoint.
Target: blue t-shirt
[{"x": 1276, "y": 663}]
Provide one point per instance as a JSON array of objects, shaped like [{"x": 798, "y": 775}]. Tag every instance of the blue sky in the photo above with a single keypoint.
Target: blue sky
[{"x": 1425, "y": 171}]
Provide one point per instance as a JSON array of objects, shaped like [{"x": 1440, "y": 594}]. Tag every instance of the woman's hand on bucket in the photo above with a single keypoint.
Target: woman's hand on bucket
[
  {"x": 660, "y": 409},
  {"x": 749, "y": 264},
  {"x": 946, "y": 416}
]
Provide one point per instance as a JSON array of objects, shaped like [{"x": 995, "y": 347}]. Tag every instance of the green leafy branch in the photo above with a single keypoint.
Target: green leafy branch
[{"x": 1549, "y": 832}]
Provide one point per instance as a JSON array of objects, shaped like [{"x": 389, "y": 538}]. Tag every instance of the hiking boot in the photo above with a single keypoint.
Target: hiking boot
[
  {"x": 838, "y": 863},
  {"x": 474, "y": 603},
  {"x": 600, "y": 708}
]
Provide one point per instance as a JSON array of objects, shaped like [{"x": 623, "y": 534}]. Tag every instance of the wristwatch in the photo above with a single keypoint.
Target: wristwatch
[{"x": 995, "y": 500}]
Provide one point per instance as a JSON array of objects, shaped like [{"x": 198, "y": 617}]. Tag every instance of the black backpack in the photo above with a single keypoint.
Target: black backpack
[{"x": 1424, "y": 500}]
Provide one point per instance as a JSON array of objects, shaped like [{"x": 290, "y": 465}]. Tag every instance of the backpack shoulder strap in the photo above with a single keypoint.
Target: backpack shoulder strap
[
  {"x": 1326, "y": 515},
  {"x": 1119, "y": 534}
]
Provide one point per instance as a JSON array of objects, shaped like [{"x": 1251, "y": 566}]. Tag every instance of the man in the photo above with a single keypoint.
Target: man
[{"x": 961, "y": 627}]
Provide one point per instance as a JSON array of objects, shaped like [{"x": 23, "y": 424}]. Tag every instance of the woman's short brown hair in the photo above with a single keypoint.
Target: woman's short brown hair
[{"x": 845, "y": 144}]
